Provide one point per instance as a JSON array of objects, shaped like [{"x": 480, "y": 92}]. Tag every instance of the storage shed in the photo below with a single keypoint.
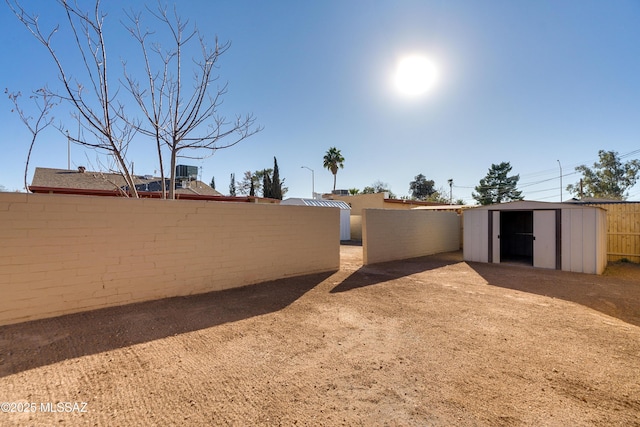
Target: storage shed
[
  {"x": 345, "y": 211},
  {"x": 547, "y": 235}
]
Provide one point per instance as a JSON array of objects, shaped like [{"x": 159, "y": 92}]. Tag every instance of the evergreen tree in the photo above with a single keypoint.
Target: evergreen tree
[
  {"x": 267, "y": 188},
  {"x": 252, "y": 189},
  {"x": 276, "y": 191},
  {"x": 232, "y": 185},
  {"x": 497, "y": 186},
  {"x": 213, "y": 182}
]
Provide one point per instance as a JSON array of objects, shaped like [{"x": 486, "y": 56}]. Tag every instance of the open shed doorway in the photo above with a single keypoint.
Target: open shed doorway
[{"x": 516, "y": 237}]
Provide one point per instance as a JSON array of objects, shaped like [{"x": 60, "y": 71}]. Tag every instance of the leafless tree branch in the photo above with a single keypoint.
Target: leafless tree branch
[
  {"x": 89, "y": 39},
  {"x": 175, "y": 116},
  {"x": 44, "y": 105}
]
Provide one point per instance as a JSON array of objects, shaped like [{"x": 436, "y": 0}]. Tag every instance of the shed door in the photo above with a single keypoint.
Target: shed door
[
  {"x": 495, "y": 247},
  {"x": 544, "y": 243}
]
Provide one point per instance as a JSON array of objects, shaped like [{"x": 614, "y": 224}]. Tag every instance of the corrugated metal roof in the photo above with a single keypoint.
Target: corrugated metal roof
[{"x": 317, "y": 202}]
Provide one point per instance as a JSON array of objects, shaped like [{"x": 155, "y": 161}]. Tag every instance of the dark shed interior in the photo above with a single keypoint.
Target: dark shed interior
[{"x": 516, "y": 236}]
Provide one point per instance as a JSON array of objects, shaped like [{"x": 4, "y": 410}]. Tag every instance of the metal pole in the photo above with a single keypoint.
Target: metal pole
[
  {"x": 559, "y": 164},
  {"x": 313, "y": 185},
  {"x": 450, "y": 181}
]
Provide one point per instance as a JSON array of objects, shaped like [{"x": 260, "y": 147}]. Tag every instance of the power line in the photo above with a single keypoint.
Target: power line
[{"x": 545, "y": 172}]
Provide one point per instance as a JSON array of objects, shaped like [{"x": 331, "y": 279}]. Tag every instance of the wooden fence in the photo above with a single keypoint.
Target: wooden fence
[{"x": 623, "y": 230}]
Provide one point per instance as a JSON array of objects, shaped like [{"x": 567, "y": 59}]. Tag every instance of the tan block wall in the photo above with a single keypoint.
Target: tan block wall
[
  {"x": 61, "y": 254},
  {"x": 356, "y": 227},
  {"x": 389, "y": 235},
  {"x": 359, "y": 202}
]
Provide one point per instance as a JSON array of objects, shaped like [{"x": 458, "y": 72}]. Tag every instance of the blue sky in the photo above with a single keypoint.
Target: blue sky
[{"x": 528, "y": 82}]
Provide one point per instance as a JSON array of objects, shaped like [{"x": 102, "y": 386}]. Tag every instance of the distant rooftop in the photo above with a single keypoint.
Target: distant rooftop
[{"x": 81, "y": 179}]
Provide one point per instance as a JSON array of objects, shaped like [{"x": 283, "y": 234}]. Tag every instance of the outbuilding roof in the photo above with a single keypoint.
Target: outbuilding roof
[
  {"x": 531, "y": 205},
  {"x": 317, "y": 202}
]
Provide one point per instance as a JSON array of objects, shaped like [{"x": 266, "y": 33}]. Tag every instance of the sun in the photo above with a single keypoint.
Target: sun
[{"x": 415, "y": 75}]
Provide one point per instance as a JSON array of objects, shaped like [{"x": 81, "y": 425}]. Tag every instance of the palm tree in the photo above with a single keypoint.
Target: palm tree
[{"x": 332, "y": 161}]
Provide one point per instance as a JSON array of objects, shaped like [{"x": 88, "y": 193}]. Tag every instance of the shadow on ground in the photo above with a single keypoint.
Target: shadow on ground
[
  {"x": 37, "y": 343},
  {"x": 378, "y": 273},
  {"x": 617, "y": 293}
]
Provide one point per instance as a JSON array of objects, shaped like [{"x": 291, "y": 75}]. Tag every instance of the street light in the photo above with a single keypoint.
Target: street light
[{"x": 313, "y": 188}]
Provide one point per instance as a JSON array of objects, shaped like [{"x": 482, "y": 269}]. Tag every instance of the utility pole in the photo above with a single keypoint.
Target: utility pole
[
  {"x": 559, "y": 164},
  {"x": 580, "y": 188},
  {"x": 450, "y": 181}
]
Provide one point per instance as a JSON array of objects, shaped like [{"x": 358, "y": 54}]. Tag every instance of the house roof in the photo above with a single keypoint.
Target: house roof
[
  {"x": 49, "y": 180},
  {"x": 414, "y": 202}
]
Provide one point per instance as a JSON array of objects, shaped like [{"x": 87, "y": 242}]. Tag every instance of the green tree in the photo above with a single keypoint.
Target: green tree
[
  {"x": 267, "y": 188},
  {"x": 213, "y": 182},
  {"x": 421, "y": 188},
  {"x": 252, "y": 179},
  {"x": 498, "y": 186},
  {"x": 253, "y": 183},
  {"x": 378, "y": 187},
  {"x": 441, "y": 195},
  {"x": 232, "y": 185},
  {"x": 276, "y": 185},
  {"x": 354, "y": 191},
  {"x": 333, "y": 160},
  {"x": 608, "y": 179}
]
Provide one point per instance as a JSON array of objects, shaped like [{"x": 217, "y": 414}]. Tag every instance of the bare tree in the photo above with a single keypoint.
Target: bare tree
[
  {"x": 184, "y": 118},
  {"x": 91, "y": 100},
  {"x": 44, "y": 104}
]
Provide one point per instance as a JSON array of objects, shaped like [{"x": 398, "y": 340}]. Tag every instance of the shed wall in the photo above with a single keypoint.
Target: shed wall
[
  {"x": 583, "y": 246},
  {"x": 476, "y": 232},
  {"x": 345, "y": 225}
]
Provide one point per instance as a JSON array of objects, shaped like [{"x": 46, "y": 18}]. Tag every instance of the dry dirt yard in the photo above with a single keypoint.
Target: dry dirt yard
[{"x": 432, "y": 341}]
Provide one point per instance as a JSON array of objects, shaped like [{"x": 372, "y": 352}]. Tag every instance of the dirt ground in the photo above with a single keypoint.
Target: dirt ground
[{"x": 432, "y": 341}]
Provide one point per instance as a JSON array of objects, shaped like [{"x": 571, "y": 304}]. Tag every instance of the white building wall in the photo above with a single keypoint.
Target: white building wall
[{"x": 345, "y": 224}]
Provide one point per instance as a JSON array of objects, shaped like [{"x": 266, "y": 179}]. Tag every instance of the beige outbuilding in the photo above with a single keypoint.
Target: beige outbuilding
[{"x": 547, "y": 235}]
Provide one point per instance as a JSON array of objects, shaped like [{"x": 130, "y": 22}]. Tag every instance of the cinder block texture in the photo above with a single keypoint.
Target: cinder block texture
[
  {"x": 61, "y": 254},
  {"x": 389, "y": 235}
]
